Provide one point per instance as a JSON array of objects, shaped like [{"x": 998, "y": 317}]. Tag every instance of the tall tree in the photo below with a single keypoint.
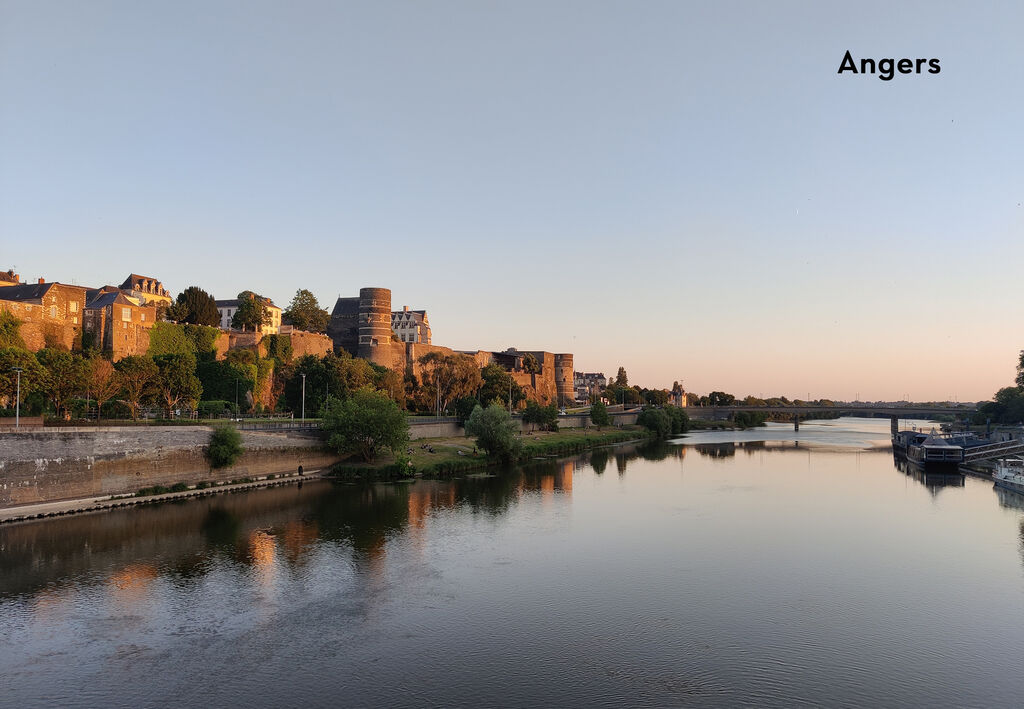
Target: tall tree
[
  {"x": 530, "y": 364},
  {"x": 499, "y": 386},
  {"x": 366, "y": 423},
  {"x": 65, "y": 377},
  {"x": 251, "y": 313},
  {"x": 102, "y": 382},
  {"x": 137, "y": 375},
  {"x": 176, "y": 381},
  {"x": 621, "y": 380},
  {"x": 9, "y": 331},
  {"x": 1020, "y": 370},
  {"x": 195, "y": 307},
  {"x": 449, "y": 376},
  {"x": 32, "y": 373},
  {"x": 305, "y": 313}
]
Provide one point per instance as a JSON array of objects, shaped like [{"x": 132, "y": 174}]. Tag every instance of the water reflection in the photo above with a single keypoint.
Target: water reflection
[{"x": 935, "y": 482}]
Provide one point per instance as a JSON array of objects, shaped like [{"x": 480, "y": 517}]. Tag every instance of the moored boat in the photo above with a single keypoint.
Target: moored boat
[{"x": 1009, "y": 474}]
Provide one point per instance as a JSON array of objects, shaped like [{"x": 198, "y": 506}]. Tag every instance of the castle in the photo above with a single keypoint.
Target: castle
[{"x": 364, "y": 327}]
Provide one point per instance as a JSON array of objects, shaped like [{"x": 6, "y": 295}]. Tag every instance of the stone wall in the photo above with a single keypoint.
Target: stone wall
[
  {"x": 309, "y": 343},
  {"x": 57, "y": 464}
]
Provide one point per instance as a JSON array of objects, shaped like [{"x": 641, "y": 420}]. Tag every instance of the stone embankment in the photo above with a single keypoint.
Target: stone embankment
[{"x": 69, "y": 463}]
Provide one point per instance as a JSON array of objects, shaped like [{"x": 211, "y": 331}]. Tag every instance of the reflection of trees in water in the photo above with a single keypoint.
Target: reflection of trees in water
[
  {"x": 716, "y": 450},
  {"x": 599, "y": 460},
  {"x": 934, "y": 482}
]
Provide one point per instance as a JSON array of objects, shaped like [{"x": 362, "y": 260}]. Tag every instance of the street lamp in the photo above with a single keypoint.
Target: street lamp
[
  {"x": 236, "y": 398},
  {"x": 303, "y": 398},
  {"x": 17, "y": 399}
]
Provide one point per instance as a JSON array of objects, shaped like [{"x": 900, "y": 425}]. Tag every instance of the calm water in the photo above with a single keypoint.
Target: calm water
[{"x": 760, "y": 568}]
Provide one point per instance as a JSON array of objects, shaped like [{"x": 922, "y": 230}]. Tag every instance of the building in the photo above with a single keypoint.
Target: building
[
  {"x": 271, "y": 325},
  {"x": 411, "y": 325},
  {"x": 587, "y": 383},
  {"x": 148, "y": 291},
  {"x": 117, "y": 324},
  {"x": 51, "y": 313},
  {"x": 9, "y": 278}
]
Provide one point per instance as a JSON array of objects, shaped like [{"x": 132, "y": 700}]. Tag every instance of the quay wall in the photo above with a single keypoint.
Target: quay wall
[{"x": 51, "y": 465}]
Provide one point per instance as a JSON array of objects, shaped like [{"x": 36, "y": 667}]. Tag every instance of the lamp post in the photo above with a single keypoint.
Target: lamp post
[
  {"x": 236, "y": 398},
  {"x": 303, "y": 398},
  {"x": 17, "y": 400}
]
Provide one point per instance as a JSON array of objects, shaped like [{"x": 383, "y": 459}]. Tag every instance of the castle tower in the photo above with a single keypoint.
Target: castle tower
[
  {"x": 375, "y": 325},
  {"x": 564, "y": 379}
]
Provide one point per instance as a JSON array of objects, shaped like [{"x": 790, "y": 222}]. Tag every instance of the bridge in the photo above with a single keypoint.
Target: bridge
[{"x": 894, "y": 413}]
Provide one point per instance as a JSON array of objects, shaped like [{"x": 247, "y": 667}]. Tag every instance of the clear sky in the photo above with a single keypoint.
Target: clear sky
[{"x": 686, "y": 189}]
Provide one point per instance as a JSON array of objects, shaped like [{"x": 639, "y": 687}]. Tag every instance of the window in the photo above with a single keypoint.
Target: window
[
  {"x": 53, "y": 311},
  {"x": 143, "y": 317},
  {"x": 126, "y": 315},
  {"x": 74, "y": 306}
]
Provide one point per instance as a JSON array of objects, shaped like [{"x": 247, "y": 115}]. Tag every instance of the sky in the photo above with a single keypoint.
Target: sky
[{"x": 688, "y": 190}]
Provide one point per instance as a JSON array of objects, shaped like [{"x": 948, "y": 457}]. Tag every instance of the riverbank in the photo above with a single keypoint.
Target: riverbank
[
  {"x": 24, "y": 513},
  {"x": 452, "y": 456}
]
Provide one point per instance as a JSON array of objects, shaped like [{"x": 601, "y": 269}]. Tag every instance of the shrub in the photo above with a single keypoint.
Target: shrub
[
  {"x": 544, "y": 416},
  {"x": 225, "y": 447},
  {"x": 179, "y": 487},
  {"x": 599, "y": 415},
  {"x": 366, "y": 422},
  {"x": 680, "y": 421}
]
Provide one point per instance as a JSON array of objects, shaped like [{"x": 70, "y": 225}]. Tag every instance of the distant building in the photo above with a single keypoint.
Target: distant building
[
  {"x": 228, "y": 308},
  {"x": 149, "y": 291},
  {"x": 51, "y": 313},
  {"x": 411, "y": 325},
  {"x": 118, "y": 324},
  {"x": 587, "y": 383},
  {"x": 9, "y": 278}
]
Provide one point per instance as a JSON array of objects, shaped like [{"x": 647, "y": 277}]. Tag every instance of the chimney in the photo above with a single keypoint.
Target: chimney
[
  {"x": 405, "y": 308},
  {"x": 42, "y": 280}
]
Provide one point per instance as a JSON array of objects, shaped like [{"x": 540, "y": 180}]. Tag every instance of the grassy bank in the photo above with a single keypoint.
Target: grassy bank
[{"x": 450, "y": 457}]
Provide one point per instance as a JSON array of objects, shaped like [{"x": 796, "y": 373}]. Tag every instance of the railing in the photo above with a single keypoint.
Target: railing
[{"x": 994, "y": 450}]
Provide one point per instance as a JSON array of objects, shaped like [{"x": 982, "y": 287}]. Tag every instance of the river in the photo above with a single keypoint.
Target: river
[{"x": 765, "y": 567}]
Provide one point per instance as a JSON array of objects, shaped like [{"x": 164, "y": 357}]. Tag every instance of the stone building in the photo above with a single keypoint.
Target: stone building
[
  {"x": 228, "y": 308},
  {"x": 117, "y": 324},
  {"x": 51, "y": 313},
  {"x": 411, "y": 325},
  {"x": 587, "y": 383},
  {"x": 147, "y": 290},
  {"x": 9, "y": 278}
]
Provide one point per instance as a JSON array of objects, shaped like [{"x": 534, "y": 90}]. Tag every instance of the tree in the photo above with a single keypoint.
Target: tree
[
  {"x": 137, "y": 375},
  {"x": 102, "y": 381},
  {"x": 720, "y": 398},
  {"x": 498, "y": 386},
  {"x": 530, "y": 364},
  {"x": 32, "y": 373},
  {"x": 251, "y": 313},
  {"x": 544, "y": 416},
  {"x": 365, "y": 423},
  {"x": 599, "y": 415},
  {"x": 176, "y": 381},
  {"x": 495, "y": 431},
  {"x": 621, "y": 380},
  {"x": 65, "y": 377},
  {"x": 1020, "y": 370},
  {"x": 195, "y": 307},
  {"x": 305, "y": 313},
  {"x": 449, "y": 376},
  {"x": 679, "y": 419},
  {"x": 656, "y": 421}
]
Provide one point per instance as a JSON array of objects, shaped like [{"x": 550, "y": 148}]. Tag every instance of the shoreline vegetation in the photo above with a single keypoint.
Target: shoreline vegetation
[{"x": 438, "y": 458}]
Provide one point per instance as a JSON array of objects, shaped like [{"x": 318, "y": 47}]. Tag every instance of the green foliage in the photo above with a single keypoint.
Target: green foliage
[
  {"x": 365, "y": 423},
  {"x": 215, "y": 408},
  {"x": 679, "y": 418},
  {"x": 1020, "y": 371},
  {"x": 305, "y": 313},
  {"x": 225, "y": 447},
  {"x": 497, "y": 383},
  {"x": 622, "y": 394},
  {"x": 544, "y": 416},
  {"x": 204, "y": 340},
  {"x": 749, "y": 419},
  {"x": 10, "y": 331},
  {"x": 167, "y": 338},
  {"x": 655, "y": 421},
  {"x": 464, "y": 407},
  {"x": 195, "y": 307},
  {"x": 599, "y": 415},
  {"x": 65, "y": 376},
  {"x": 717, "y": 398},
  {"x": 530, "y": 364},
  {"x": 252, "y": 312},
  {"x": 1007, "y": 407},
  {"x": 176, "y": 382},
  {"x": 621, "y": 379},
  {"x": 495, "y": 431},
  {"x": 279, "y": 348},
  {"x": 33, "y": 375},
  {"x": 447, "y": 378}
]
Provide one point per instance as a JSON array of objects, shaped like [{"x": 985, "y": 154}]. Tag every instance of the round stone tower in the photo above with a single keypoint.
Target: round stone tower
[
  {"x": 375, "y": 325},
  {"x": 563, "y": 379}
]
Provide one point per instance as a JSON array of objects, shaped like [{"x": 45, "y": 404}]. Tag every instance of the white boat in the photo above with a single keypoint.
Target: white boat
[{"x": 1010, "y": 474}]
